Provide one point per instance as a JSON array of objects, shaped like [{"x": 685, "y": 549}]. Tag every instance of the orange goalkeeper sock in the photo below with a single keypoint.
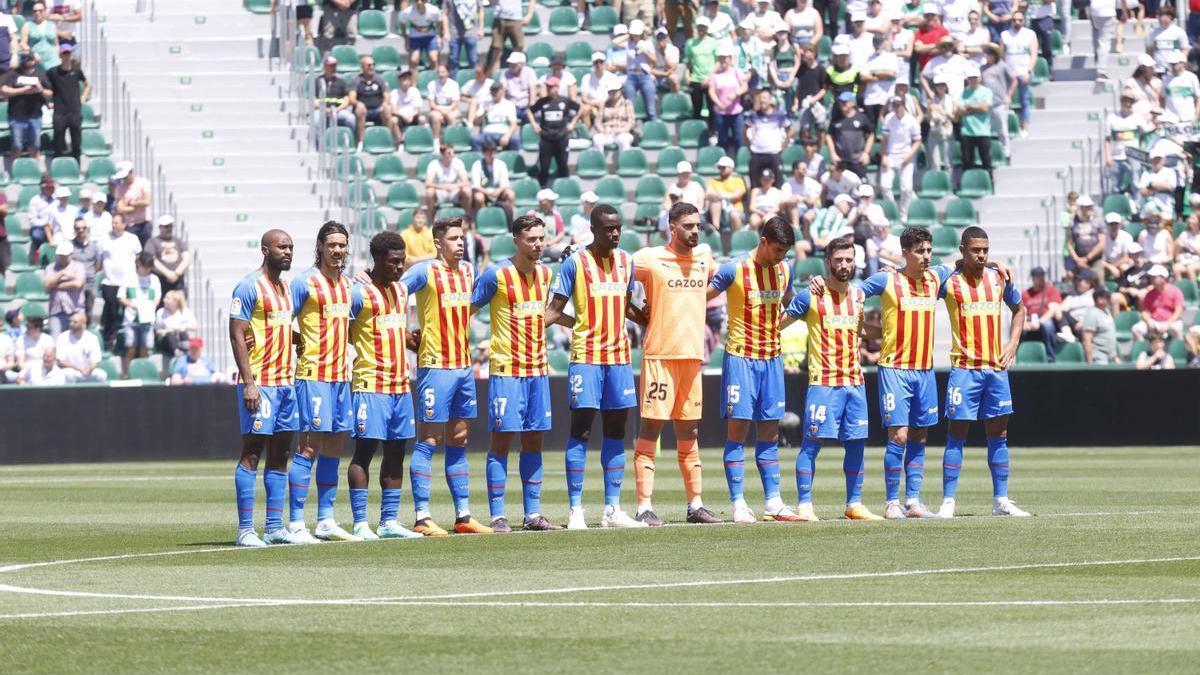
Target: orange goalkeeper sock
[
  {"x": 643, "y": 463},
  {"x": 689, "y": 466}
]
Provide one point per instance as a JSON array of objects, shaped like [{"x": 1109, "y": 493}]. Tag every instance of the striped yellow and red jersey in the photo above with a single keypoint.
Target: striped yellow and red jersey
[
  {"x": 908, "y": 309},
  {"x": 378, "y": 323},
  {"x": 517, "y": 304},
  {"x": 834, "y": 320},
  {"x": 677, "y": 295},
  {"x": 267, "y": 307},
  {"x": 322, "y": 309},
  {"x": 755, "y": 295},
  {"x": 599, "y": 289},
  {"x": 444, "y": 307},
  {"x": 976, "y": 306}
]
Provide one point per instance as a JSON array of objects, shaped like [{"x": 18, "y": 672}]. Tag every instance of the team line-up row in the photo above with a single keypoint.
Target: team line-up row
[{"x": 323, "y": 313}]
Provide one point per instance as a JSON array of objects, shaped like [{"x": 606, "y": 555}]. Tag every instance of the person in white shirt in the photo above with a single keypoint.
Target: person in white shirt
[
  {"x": 479, "y": 89},
  {"x": 79, "y": 352},
  {"x": 902, "y": 42},
  {"x": 838, "y": 181},
  {"x": 443, "y": 94},
  {"x": 406, "y": 103},
  {"x": 975, "y": 38},
  {"x": 580, "y": 226},
  {"x": 1187, "y": 246},
  {"x": 43, "y": 372},
  {"x": 802, "y": 195},
  {"x": 1181, "y": 89},
  {"x": 118, "y": 250},
  {"x": 1117, "y": 249},
  {"x": 489, "y": 181},
  {"x": 1020, "y": 51},
  {"x": 804, "y": 22},
  {"x": 879, "y": 73},
  {"x": 593, "y": 87},
  {"x": 666, "y": 55},
  {"x": 1103, "y": 16},
  {"x": 901, "y": 141},
  {"x": 720, "y": 24},
  {"x": 8, "y": 359},
  {"x": 568, "y": 85},
  {"x": 1167, "y": 38},
  {"x": 765, "y": 199},
  {"x": 860, "y": 43},
  {"x": 690, "y": 191},
  {"x": 947, "y": 64},
  {"x": 883, "y": 247},
  {"x": 446, "y": 181},
  {"x": 63, "y": 215},
  {"x": 1156, "y": 241},
  {"x": 955, "y": 17},
  {"x": 1157, "y": 185},
  {"x": 420, "y": 24},
  {"x": 765, "y": 20},
  {"x": 497, "y": 117},
  {"x": 33, "y": 343},
  {"x": 99, "y": 220}
]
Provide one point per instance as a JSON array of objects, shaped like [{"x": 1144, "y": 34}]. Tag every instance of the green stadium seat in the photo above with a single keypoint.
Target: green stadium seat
[
  {"x": 26, "y": 194},
  {"x": 424, "y": 78},
  {"x": 630, "y": 242},
  {"x": 389, "y": 168},
  {"x": 1032, "y": 353},
  {"x": 591, "y": 164},
  {"x": 559, "y": 361},
  {"x": 601, "y": 19},
  {"x": 350, "y": 167},
  {"x": 26, "y": 171},
  {"x": 668, "y": 158},
  {"x": 996, "y": 149},
  {"x": 716, "y": 359},
  {"x": 502, "y": 247},
  {"x": 339, "y": 139},
  {"x": 675, "y": 106},
  {"x": 1188, "y": 288},
  {"x": 529, "y": 137},
  {"x": 921, "y": 213},
  {"x": 459, "y": 137},
  {"x": 1137, "y": 348},
  {"x": 569, "y": 190},
  {"x": 564, "y": 21},
  {"x": 693, "y": 133},
  {"x": 793, "y": 153},
  {"x": 145, "y": 370},
  {"x": 257, "y": 6},
  {"x": 378, "y": 141},
  {"x": 741, "y": 164},
  {"x": 539, "y": 50},
  {"x": 808, "y": 268},
  {"x": 491, "y": 221},
  {"x": 534, "y": 27},
  {"x": 1069, "y": 353},
  {"x": 418, "y": 140},
  {"x": 706, "y": 160},
  {"x": 1041, "y": 72},
  {"x": 632, "y": 163},
  {"x": 526, "y": 189},
  {"x": 100, "y": 170},
  {"x": 945, "y": 241},
  {"x": 824, "y": 49},
  {"x": 306, "y": 58},
  {"x": 890, "y": 210},
  {"x": 347, "y": 58},
  {"x": 656, "y": 135},
  {"x": 578, "y": 53},
  {"x": 387, "y": 60},
  {"x": 650, "y": 190},
  {"x": 611, "y": 190},
  {"x": 645, "y": 219},
  {"x": 960, "y": 213},
  {"x": 742, "y": 241},
  {"x": 1014, "y": 124},
  {"x": 112, "y": 368},
  {"x": 514, "y": 161},
  {"x": 1124, "y": 323},
  {"x": 36, "y": 310},
  {"x": 29, "y": 286},
  {"x": 1056, "y": 41},
  {"x": 464, "y": 76},
  {"x": 976, "y": 183},
  {"x": 372, "y": 221},
  {"x": 403, "y": 195},
  {"x": 360, "y": 193},
  {"x": 934, "y": 185},
  {"x": 372, "y": 24}
]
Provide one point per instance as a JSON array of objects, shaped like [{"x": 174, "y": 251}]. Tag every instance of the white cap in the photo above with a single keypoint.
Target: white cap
[
  {"x": 1174, "y": 56},
  {"x": 516, "y": 57},
  {"x": 615, "y": 86},
  {"x": 881, "y": 221},
  {"x": 122, "y": 170},
  {"x": 1134, "y": 248},
  {"x": 1085, "y": 201},
  {"x": 1156, "y": 153},
  {"x": 589, "y": 197},
  {"x": 165, "y": 221},
  {"x": 865, "y": 190},
  {"x": 941, "y": 78},
  {"x": 1112, "y": 217},
  {"x": 726, "y": 50},
  {"x": 547, "y": 193},
  {"x": 62, "y": 191},
  {"x": 972, "y": 71},
  {"x": 65, "y": 247},
  {"x": 99, "y": 198},
  {"x": 843, "y": 197},
  {"x": 930, "y": 8},
  {"x": 703, "y": 21},
  {"x": 725, "y": 161},
  {"x": 683, "y": 166},
  {"x": 841, "y": 50},
  {"x": 637, "y": 27},
  {"x": 855, "y": 16},
  {"x": 85, "y": 193},
  {"x": 620, "y": 29},
  {"x": 1158, "y": 271},
  {"x": 598, "y": 56},
  {"x": 1145, "y": 60}
]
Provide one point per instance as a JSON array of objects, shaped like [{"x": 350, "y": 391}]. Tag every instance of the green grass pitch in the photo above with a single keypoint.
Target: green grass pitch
[{"x": 1105, "y": 578}]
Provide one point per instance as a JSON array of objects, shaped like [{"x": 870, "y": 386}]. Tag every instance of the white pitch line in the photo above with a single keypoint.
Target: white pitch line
[
  {"x": 131, "y": 610},
  {"x": 790, "y": 604}
]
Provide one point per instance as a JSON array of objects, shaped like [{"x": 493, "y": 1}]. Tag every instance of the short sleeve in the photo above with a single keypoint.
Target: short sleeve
[
  {"x": 564, "y": 283},
  {"x": 299, "y": 294},
  {"x": 723, "y": 279},
  {"x": 874, "y": 284},
  {"x": 1011, "y": 295},
  {"x": 485, "y": 287},
  {"x": 799, "y": 306},
  {"x": 416, "y": 277},
  {"x": 356, "y": 300},
  {"x": 943, "y": 272}
]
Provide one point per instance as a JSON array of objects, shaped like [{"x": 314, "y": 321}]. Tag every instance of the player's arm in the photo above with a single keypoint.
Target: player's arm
[
  {"x": 560, "y": 292},
  {"x": 555, "y": 314},
  {"x": 638, "y": 315},
  {"x": 796, "y": 309},
  {"x": 239, "y": 324},
  {"x": 484, "y": 288},
  {"x": 1012, "y": 297},
  {"x": 721, "y": 280}
]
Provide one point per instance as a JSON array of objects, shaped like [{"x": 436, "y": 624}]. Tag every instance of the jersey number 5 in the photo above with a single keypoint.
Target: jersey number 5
[{"x": 656, "y": 390}]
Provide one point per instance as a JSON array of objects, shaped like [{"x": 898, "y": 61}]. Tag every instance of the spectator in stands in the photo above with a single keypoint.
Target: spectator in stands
[
  {"x": 43, "y": 371},
  {"x": 1161, "y": 308},
  {"x": 594, "y": 87},
  {"x": 27, "y": 91},
  {"x": 1157, "y": 183},
  {"x": 1145, "y": 86},
  {"x": 580, "y": 226},
  {"x": 62, "y": 214},
  {"x": 1000, "y": 16},
  {"x": 613, "y": 122},
  {"x": 339, "y": 23},
  {"x": 557, "y": 238},
  {"x": 68, "y": 97},
  {"x": 463, "y": 25},
  {"x": 1020, "y": 51},
  {"x": 838, "y": 181},
  {"x": 418, "y": 239},
  {"x": 1103, "y": 15},
  {"x": 851, "y": 138},
  {"x": 1000, "y": 78},
  {"x": 666, "y": 60},
  {"x": 568, "y": 85},
  {"x": 405, "y": 103},
  {"x": 87, "y": 253},
  {"x": 63, "y": 281},
  {"x": 1134, "y": 282},
  {"x": 10, "y": 47},
  {"x": 865, "y": 215},
  {"x": 725, "y": 198},
  {"x": 1187, "y": 248},
  {"x": 140, "y": 297},
  {"x": 947, "y": 64},
  {"x": 369, "y": 96},
  {"x": 1075, "y": 305},
  {"x": 813, "y": 158},
  {"x": 508, "y": 25},
  {"x": 132, "y": 200},
  {"x": 13, "y": 320},
  {"x": 860, "y": 42},
  {"x": 700, "y": 57},
  {"x": 879, "y": 76},
  {"x": 447, "y": 182},
  {"x": 804, "y": 23},
  {"x": 519, "y": 82},
  {"x": 617, "y": 55},
  {"x": 1086, "y": 239},
  {"x": 1156, "y": 356},
  {"x": 39, "y": 38},
  {"x": 98, "y": 219},
  {"x": 765, "y": 199},
  {"x": 420, "y": 25},
  {"x": 974, "y": 112},
  {"x": 690, "y": 191},
  {"x": 1166, "y": 39},
  {"x": 802, "y": 196},
  {"x": 33, "y": 343},
  {"x": 640, "y": 61},
  {"x": 676, "y": 12},
  {"x": 78, "y": 352},
  {"x": 333, "y": 95},
  {"x": 443, "y": 95},
  {"x": 174, "y": 323},
  {"x": 929, "y": 33},
  {"x": 901, "y": 140},
  {"x": 478, "y": 90},
  {"x": 304, "y": 16},
  {"x": 1099, "y": 331},
  {"x": 767, "y": 132},
  {"x": 1121, "y": 129},
  {"x": 830, "y": 223},
  {"x": 193, "y": 367},
  {"x": 553, "y": 118},
  {"x": 840, "y": 77},
  {"x": 1156, "y": 241},
  {"x": 883, "y": 248},
  {"x": 490, "y": 183},
  {"x": 1042, "y": 303},
  {"x": 172, "y": 259},
  {"x": 974, "y": 38},
  {"x": 118, "y": 252},
  {"x": 750, "y": 54},
  {"x": 942, "y": 112},
  {"x": 1181, "y": 89},
  {"x": 8, "y": 350},
  {"x": 1116, "y": 247},
  {"x": 726, "y": 86},
  {"x": 497, "y": 118}
]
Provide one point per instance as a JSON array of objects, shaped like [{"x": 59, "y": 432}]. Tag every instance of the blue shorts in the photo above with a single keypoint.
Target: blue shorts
[
  {"x": 836, "y": 412},
  {"x": 383, "y": 417},
  {"x": 519, "y": 403},
  {"x": 276, "y": 411},
  {"x": 752, "y": 389},
  {"x": 907, "y": 398},
  {"x": 427, "y": 43},
  {"x": 26, "y": 132},
  {"x": 445, "y": 394},
  {"x": 971, "y": 394},
  {"x": 603, "y": 387},
  {"x": 324, "y": 406}
]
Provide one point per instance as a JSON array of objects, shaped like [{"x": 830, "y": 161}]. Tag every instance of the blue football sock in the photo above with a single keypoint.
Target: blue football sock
[
  {"x": 914, "y": 469},
  {"x": 951, "y": 465},
  {"x": 358, "y": 504},
  {"x": 893, "y": 461},
  {"x": 497, "y": 479},
  {"x": 998, "y": 463},
  {"x": 766, "y": 456},
  {"x": 299, "y": 476},
  {"x": 243, "y": 483},
  {"x": 806, "y": 466},
  {"x": 612, "y": 458},
  {"x": 735, "y": 468},
  {"x": 327, "y": 484},
  {"x": 854, "y": 466},
  {"x": 420, "y": 473},
  {"x": 275, "y": 484},
  {"x": 576, "y": 458},
  {"x": 458, "y": 477},
  {"x": 389, "y": 504},
  {"x": 530, "y": 466}
]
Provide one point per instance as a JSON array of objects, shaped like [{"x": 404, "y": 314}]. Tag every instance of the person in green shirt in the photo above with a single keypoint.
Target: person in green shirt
[
  {"x": 974, "y": 112},
  {"x": 700, "y": 54}
]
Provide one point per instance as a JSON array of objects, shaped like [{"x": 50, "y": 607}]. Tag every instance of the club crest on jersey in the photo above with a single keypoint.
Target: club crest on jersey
[
  {"x": 316, "y": 421},
  {"x": 258, "y": 424},
  {"x": 362, "y": 427},
  {"x": 235, "y": 307}
]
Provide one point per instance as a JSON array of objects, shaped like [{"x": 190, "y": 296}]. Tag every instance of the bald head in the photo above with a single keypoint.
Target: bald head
[
  {"x": 277, "y": 249},
  {"x": 271, "y": 237}
]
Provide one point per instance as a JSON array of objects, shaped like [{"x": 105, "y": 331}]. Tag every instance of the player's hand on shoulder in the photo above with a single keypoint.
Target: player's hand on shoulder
[
  {"x": 363, "y": 276},
  {"x": 816, "y": 285}
]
